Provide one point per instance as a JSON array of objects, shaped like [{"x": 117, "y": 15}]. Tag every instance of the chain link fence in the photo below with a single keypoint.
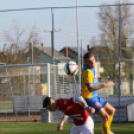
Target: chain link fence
[{"x": 58, "y": 35}]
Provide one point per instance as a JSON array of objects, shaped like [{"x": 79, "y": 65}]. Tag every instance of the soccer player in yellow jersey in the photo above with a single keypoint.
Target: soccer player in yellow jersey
[{"x": 89, "y": 92}]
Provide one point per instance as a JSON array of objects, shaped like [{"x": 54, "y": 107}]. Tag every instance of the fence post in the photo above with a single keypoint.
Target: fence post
[
  {"x": 119, "y": 58},
  {"x": 78, "y": 46},
  {"x": 48, "y": 88}
]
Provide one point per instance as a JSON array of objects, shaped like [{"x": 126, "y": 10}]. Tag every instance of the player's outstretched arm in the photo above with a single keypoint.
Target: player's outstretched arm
[
  {"x": 60, "y": 126},
  {"x": 108, "y": 84},
  {"x": 92, "y": 88}
]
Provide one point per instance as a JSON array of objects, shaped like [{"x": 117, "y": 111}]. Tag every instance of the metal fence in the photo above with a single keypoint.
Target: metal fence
[
  {"x": 22, "y": 91},
  {"x": 38, "y": 35},
  {"x": 20, "y": 87}
]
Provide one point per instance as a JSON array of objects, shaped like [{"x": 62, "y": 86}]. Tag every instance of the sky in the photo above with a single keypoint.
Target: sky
[
  {"x": 88, "y": 19},
  {"x": 17, "y": 4}
]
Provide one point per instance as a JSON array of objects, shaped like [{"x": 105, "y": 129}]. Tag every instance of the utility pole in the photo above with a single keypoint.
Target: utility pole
[
  {"x": 78, "y": 46},
  {"x": 53, "y": 55},
  {"x": 52, "y": 42},
  {"x": 52, "y": 36}
]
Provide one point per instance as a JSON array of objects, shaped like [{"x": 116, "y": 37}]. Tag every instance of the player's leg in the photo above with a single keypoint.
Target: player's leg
[
  {"x": 88, "y": 127},
  {"x": 110, "y": 110},
  {"x": 103, "y": 114},
  {"x": 98, "y": 103},
  {"x": 106, "y": 113},
  {"x": 76, "y": 130},
  {"x": 105, "y": 120}
]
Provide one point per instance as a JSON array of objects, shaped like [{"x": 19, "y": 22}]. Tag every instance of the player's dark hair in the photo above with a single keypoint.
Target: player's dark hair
[
  {"x": 46, "y": 101},
  {"x": 88, "y": 55}
]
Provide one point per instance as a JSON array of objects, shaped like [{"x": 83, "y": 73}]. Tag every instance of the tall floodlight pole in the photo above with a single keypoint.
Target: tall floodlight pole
[
  {"x": 52, "y": 36},
  {"x": 52, "y": 50},
  {"x": 78, "y": 46},
  {"x": 119, "y": 56}
]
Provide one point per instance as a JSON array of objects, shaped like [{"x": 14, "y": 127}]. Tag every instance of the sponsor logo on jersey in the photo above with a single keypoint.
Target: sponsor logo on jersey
[{"x": 77, "y": 116}]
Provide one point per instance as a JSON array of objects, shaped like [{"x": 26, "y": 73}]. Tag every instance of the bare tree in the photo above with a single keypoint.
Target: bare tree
[
  {"x": 109, "y": 26},
  {"x": 109, "y": 23},
  {"x": 18, "y": 50},
  {"x": 19, "y": 44}
]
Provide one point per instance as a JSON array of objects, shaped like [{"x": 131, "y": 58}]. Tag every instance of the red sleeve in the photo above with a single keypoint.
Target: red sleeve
[{"x": 64, "y": 102}]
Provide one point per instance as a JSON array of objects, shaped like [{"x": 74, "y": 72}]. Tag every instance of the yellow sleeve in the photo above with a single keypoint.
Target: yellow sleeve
[{"x": 87, "y": 76}]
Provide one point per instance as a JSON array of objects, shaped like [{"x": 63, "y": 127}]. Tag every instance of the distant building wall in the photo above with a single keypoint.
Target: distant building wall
[{"x": 44, "y": 58}]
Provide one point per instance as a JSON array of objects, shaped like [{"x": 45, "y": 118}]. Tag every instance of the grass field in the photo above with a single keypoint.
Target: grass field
[
  {"x": 6, "y": 106},
  {"x": 46, "y": 128}
]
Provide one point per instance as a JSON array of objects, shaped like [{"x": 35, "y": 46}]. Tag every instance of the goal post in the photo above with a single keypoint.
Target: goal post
[
  {"x": 48, "y": 93},
  {"x": 16, "y": 88},
  {"x": 49, "y": 80}
]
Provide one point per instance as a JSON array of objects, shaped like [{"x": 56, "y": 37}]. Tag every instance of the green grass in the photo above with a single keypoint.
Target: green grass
[
  {"x": 6, "y": 107},
  {"x": 46, "y": 128}
]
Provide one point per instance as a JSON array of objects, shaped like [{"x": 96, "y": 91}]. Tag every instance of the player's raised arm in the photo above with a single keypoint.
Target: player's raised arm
[{"x": 79, "y": 99}]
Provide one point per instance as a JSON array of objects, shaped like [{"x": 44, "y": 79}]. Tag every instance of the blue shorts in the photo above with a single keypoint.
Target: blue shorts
[{"x": 96, "y": 102}]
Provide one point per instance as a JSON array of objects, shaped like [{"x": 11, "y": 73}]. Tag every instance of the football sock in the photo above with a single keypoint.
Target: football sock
[
  {"x": 110, "y": 120},
  {"x": 105, "y": 127}
]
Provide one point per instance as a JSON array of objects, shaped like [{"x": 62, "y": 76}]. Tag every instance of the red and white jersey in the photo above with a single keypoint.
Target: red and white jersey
[{"x": 74, "y": 110}]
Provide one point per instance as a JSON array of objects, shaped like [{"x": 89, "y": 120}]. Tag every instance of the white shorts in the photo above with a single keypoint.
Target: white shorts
[{"x": 87, "y": 128}]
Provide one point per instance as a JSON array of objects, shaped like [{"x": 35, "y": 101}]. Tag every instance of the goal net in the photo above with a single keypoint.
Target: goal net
[{"x": 23, "y": 88}]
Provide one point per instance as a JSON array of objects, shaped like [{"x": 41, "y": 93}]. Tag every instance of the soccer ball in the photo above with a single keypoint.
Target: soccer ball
[{"x": 71, "y": 68}]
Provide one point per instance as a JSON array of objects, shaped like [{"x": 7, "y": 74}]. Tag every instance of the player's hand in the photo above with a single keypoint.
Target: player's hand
[
  {"x": 90, "y": 110},
  {"x": 60, "y": 127},
  {"x": 108, "y": 84}
]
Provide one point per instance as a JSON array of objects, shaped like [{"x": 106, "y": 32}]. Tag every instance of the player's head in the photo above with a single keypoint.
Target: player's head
[
  {"x": 50, "y": 104},
  {"x": 89, "y": 59}
]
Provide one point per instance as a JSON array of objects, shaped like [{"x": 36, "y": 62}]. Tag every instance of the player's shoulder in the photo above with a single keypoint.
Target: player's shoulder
[
  {"x": 60, "y": 102},
  {"x": 87, "y": 71},
  {"x": 65, "y": 100},
  {"x": 61, "y": 99}
]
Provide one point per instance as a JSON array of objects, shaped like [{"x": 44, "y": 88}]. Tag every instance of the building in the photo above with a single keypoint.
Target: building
[
  {"x": 46, "y": 56},
  {"x": 72, "y": 52}
]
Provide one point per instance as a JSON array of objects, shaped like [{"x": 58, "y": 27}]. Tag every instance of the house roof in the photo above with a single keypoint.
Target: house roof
[
  {"x": 105, "y": 51},
  {"x": 58, "y": 55},
  {"x": 100, "y": 48},
  {"x": 82, "y": 51},
  {"x": 75, "y": 49},
  {"x": 106, "y": 48}
]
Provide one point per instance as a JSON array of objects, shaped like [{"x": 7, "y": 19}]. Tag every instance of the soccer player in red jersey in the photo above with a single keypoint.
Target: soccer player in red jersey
[{"x": 76, "y": 108}]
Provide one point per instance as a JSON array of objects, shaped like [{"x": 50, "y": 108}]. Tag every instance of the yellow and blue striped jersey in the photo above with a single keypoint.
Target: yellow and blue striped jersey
[{"x": 88, "y": 77}]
